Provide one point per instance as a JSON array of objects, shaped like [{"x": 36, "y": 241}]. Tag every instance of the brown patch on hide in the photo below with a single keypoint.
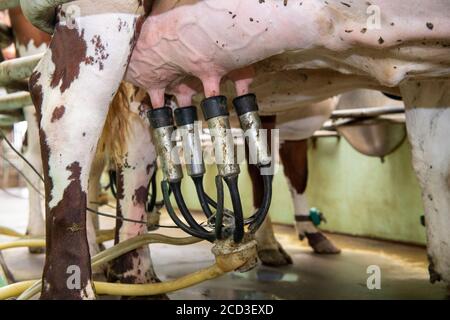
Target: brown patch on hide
[
  {"x": 267, "y": 122},
  {"x": 24, "y": 31},
  {"x": 120, "y": 195},
  {"x": 36, "y": 90},
  {"x": 100, "y": 54},
  {"x": 140, "y": 195},
  {"x": 57, "y": 113},
  {"x": 67, "y": 242},
  {"x": 37, "y": 97},
  {"x": 68, "y": 52},
  {"x": 119, "y": 266},
  {"x": 293, "y": 155},
  {"x": 144, "y": 106}
]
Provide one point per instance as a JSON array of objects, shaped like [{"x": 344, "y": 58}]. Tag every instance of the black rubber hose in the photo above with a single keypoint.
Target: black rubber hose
[
  {"x": 176, "y": 190},
  {"x": 201, "y": 235},
  {"x": 232, "y": 183},
  {"x": 113, "y": 182},
  {"x": 152, "y": 188},
  {"x": 219, "y": 208},
  {"x": 202, "y": 196}
]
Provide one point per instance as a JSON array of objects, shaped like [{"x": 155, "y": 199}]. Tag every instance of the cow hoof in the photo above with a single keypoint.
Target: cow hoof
[
  {"x": 274, "y": 257},
  {"x": 36, "y": 250},
  {"x": 321, "y": 244}
]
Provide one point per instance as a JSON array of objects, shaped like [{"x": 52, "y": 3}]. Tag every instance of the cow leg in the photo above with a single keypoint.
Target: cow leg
[
  {"x": 293, "y": 156},
  {"x": 134, "y": 169},
  {"x": 71, "y": 88},
  {"x": 270, "y": 251},
  {"x": 36, "y": 223},
  {"x": 428, "y": 124}
]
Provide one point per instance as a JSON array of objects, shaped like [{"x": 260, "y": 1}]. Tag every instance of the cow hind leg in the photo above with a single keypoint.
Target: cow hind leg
[
  {"x": 428, "y": 124},
  {"x": 293, "y": 156},
  {"x": 270, "y": 251},
  {"x": 72, "y": 88},
  {"x": 135, "y": 167}
]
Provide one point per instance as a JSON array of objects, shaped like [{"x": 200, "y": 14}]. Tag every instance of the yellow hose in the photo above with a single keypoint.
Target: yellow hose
[
  {"x": 120, "y": 289},
  {"x": 120, "y": 249},
  {"x": 224, "y": 263},
  {"x": 150, "y": 289},
  {"x": 106, "y": 235},
  {"x": 31, "y": 243},
  {"x": 4, "y": 231},
  {"x": 15, "y": 289}
]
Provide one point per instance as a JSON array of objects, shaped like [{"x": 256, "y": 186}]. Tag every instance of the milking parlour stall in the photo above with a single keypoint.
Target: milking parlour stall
[{"x": 247, "y": 151}]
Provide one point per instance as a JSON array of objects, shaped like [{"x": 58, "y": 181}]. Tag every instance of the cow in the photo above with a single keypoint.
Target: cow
[{"x": 180, "y": 46}]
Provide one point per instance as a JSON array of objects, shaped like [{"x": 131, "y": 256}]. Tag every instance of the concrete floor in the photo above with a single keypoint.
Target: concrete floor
[{"x": 403, "y": 268}]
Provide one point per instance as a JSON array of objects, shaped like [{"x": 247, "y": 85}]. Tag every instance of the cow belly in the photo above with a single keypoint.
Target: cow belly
[{"x": 210, "y": 38}]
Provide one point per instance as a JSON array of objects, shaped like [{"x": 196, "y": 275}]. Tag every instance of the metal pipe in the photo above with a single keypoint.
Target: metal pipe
[
  {"x": 8, "y": 4},
  {"x": 325, "y": 134},
  {"x": 366, "y": 112},
  {"x": 15, "y": 101},
  {"x": 42, "y": 13},
  {"x": 6, "y": 121},
  {"x": 18, "y": 69}
]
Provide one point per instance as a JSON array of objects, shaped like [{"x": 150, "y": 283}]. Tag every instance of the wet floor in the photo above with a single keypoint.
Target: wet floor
[{"x": 403, "y": 268}]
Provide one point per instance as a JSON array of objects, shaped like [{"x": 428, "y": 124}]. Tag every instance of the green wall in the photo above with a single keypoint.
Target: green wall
[
  {"x": 364, "y": 196},
  {"x": 359, "y": 195}
]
